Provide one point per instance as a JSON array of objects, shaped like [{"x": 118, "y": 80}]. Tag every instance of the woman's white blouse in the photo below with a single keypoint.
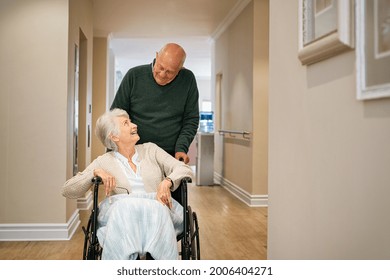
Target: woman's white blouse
[{"x": 134, "y": 178}]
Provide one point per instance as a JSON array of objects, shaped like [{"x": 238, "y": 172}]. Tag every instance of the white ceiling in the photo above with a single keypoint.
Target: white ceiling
[{"x": 139, "y": 28}]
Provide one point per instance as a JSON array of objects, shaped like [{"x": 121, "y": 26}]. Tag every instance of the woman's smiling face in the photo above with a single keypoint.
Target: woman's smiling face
[{"x": 128, "y": 131}]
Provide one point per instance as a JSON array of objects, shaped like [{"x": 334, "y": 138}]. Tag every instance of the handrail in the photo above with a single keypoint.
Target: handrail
[{"x": 231, "y": 132}]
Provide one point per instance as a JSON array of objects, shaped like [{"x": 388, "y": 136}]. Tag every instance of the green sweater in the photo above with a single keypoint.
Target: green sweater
[{"x": 165, "y": 115}]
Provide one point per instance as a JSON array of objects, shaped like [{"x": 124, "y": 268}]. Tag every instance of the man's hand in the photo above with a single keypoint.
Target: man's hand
[{"x": 182, "y": 157}]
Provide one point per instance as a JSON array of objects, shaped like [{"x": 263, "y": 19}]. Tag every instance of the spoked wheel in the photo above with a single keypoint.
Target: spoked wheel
[
  {"x": 194, "y": 234},
  {"x": 87, "y": 240}
]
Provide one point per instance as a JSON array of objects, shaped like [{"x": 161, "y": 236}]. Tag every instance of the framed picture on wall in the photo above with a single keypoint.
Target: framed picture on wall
[
  {"x": 326, "y": 28},
  {"x": 373, "y": 49}
]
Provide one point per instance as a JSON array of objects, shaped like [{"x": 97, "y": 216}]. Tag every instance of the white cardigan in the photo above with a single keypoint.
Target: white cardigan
[{"x": 155, "y": 165}]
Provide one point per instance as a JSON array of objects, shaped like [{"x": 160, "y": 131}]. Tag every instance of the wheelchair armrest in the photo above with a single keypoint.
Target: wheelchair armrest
[
  {"x": 186, "y": 179},
  {"x": 97, "y": 180},
  {"x": 180, "y": 194}
]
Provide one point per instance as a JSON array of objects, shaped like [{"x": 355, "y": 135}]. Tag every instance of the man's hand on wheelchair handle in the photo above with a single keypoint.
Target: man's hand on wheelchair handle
[
  {"x": 182, "y": 157},
  {"x": 108, "y": 180}
]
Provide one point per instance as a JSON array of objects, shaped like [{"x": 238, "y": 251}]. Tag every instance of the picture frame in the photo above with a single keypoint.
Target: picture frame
[
  {"x": 372, "y": 49},
  {"x": 326, "y": 28}
]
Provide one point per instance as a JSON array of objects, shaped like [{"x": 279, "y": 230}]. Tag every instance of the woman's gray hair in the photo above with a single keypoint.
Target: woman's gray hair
[{"x": 106, "y": 126}]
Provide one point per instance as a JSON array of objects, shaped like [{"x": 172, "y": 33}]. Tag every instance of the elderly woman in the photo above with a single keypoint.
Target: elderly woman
[{"x": 138, "y": 216}]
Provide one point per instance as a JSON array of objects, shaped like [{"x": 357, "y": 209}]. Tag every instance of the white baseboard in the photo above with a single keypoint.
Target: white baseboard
[
  {"x": 40, "y": 232},
  {"x": 252, "y": 200},
  {"x": 85, "y": 203}
]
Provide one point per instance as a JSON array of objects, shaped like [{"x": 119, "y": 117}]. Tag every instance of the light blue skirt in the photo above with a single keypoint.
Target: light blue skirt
[{"x": 132, "y": 225}]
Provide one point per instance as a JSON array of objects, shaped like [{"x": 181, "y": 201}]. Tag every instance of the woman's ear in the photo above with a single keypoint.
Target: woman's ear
[{"x": 114, "y": 138}]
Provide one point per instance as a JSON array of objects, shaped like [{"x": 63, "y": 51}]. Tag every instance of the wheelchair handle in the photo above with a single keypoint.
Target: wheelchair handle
[{"x": 97, "y": 180}]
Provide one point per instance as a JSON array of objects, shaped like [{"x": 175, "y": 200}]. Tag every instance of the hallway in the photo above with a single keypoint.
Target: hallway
[
  {"x": 229, "y": 230},
  {"x": 318, "y": 156}
]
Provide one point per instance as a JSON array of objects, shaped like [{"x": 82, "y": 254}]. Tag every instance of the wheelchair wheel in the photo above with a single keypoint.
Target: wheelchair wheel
[
  {"x": 92, "y": 250},
  {"x": 196, "y": 236},
  {"x": 193, "y": 235}
]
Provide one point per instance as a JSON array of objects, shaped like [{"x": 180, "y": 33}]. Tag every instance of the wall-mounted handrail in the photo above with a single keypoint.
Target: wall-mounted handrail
[{"x": 243, "y": 133}]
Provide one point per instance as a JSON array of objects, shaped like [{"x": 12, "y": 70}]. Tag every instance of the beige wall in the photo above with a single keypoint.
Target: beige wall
[
  {"x": 329, "y": 155},
  {"x": 80, "y": 34},
  {"x": 241, "y": 59},
  {"x": 99, "y": 96},
  {"x": 36, "y": 77},
  {"x": 260, "y": 97},
  {"x": 33, "y": 79},
  {"x": 233, "y": 59}
]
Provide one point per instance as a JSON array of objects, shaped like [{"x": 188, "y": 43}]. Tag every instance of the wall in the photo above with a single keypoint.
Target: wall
[
  {"x": 241, "y": 65},
  {"x": 80, "y": 34},
  {"x": 33, "y": 79},
  {"x": 111, "y": 80},
  {"x": 329, "y": 155},
  {"x": 100, "y": 89},
  {"x": 35, "y": 119},
  {"x": 233, "y": 59},
  {"x": 260, "y": 99},
  {"x": 204, "y": 88}
]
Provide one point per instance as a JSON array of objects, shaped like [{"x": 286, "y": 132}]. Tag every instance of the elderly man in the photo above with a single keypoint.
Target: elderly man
[{"x": 162, "y": 99}]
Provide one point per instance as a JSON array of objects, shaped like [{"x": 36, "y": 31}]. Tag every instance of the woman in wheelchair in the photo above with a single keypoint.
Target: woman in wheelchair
[{"x": 138, "y": 216}]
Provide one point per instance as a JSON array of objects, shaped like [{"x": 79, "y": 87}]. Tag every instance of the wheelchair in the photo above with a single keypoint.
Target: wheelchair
[{"x": 189, "y": 238}]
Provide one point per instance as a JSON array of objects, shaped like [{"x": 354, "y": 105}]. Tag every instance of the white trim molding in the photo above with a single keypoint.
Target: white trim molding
[
  {"x": 40, "y": 232},
  {"x": 252, "y": 200}
]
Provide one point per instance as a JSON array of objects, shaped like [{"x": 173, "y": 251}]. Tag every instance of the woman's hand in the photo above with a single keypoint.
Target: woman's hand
[
  {"x": 108, "y": 180},
  {"x": 164, "y": 193}
]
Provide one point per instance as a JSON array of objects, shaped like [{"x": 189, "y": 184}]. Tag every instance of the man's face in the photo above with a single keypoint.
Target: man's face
[{"x": 165, "y": 69}]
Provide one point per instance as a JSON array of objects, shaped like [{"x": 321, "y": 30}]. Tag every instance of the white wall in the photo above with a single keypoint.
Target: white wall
[
  {"x": 204, "y": 88},
  {"x": 329, "y": 155}
]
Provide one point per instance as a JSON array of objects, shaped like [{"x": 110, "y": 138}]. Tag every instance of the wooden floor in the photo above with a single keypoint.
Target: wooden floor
[{"x": 229, "y": 230}]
